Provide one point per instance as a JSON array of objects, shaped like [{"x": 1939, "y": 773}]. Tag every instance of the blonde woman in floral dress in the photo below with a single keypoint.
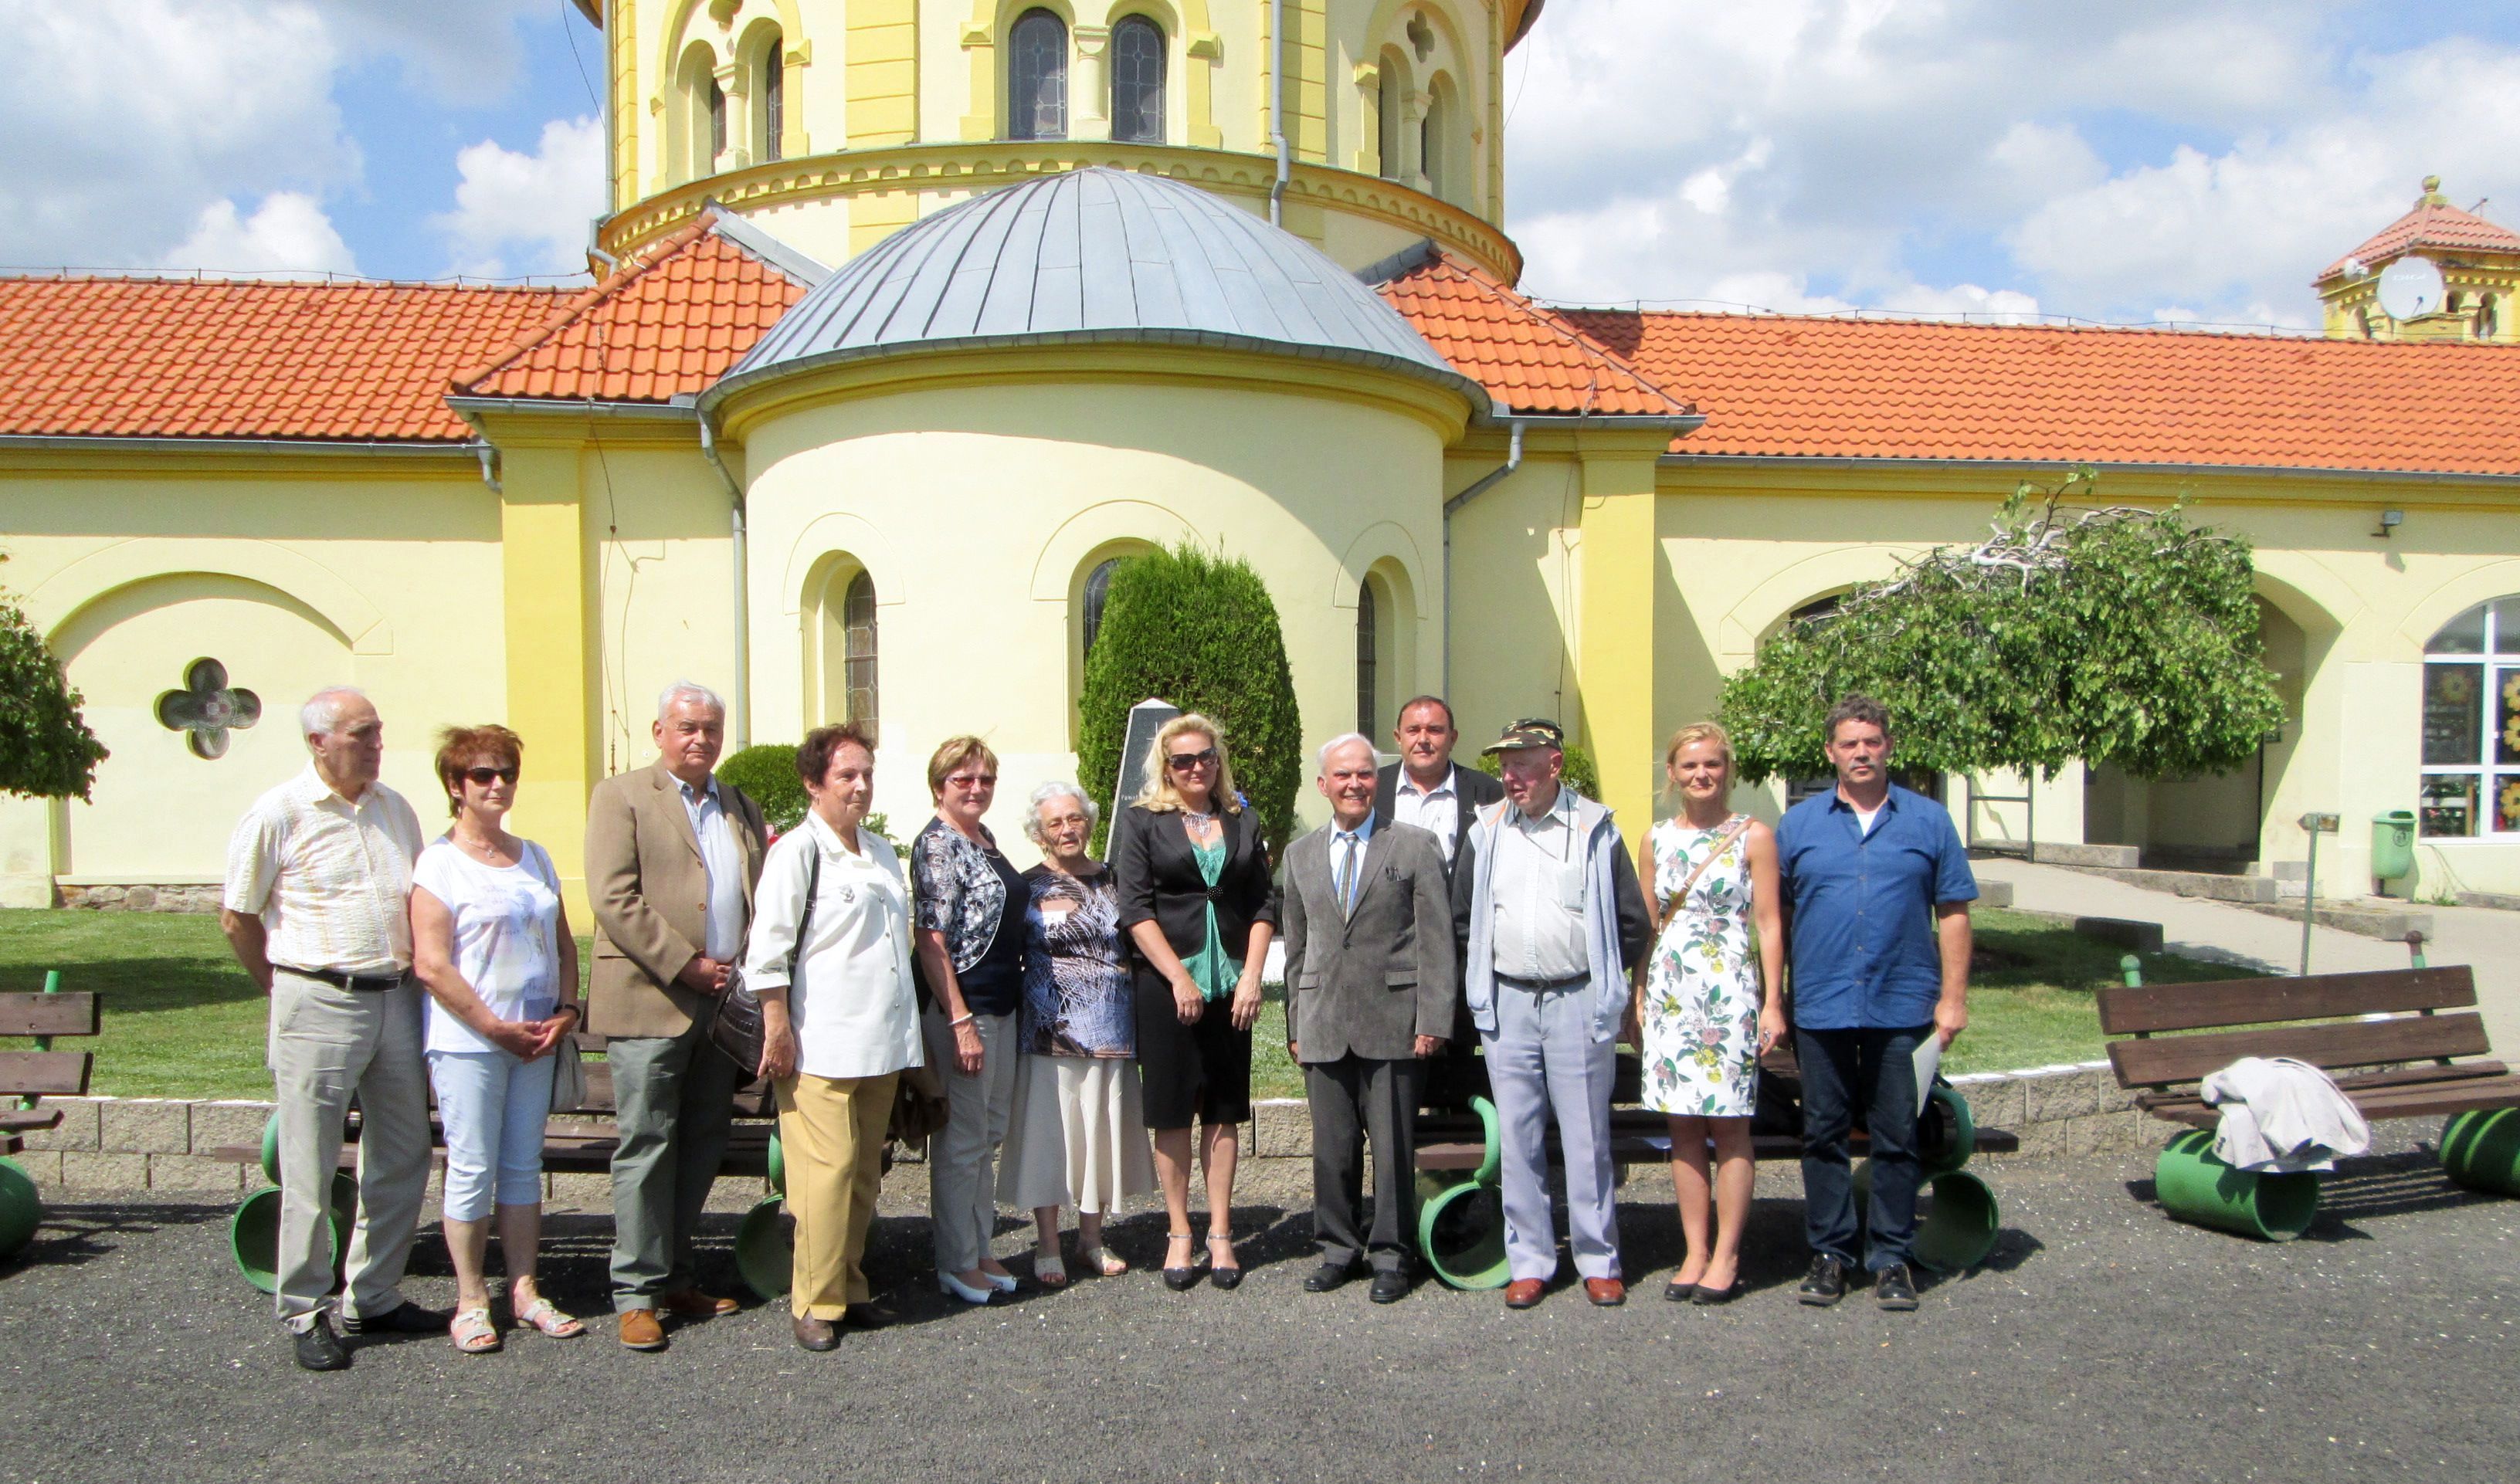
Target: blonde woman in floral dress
[{"x": 1706, "y": 1006}]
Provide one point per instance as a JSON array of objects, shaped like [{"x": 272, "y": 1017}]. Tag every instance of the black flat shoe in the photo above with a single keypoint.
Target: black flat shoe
[
  {"x": 407, "y": 1319},
  {"x": 1389, "y": 1288},
  {"x": 1824, "y": 1284},
  {"x": 874, "y": 1314},
  {"x": 1327, "y": 1277},
  {"x": 318, "y": 1349},
  {"x": 1703, "y": 1295},
  {"x": 1679, "y": 1292}
]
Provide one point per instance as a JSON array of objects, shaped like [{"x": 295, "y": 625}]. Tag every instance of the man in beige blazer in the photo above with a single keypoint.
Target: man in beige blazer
[{"x": 672, "y": 853}]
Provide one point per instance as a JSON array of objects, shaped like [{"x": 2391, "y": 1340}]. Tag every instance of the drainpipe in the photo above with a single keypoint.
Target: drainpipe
[
  {"x": 1487, "y": 481},
  {"x": 1277, "y": 112},
  {"x": 741, "y": 701}
]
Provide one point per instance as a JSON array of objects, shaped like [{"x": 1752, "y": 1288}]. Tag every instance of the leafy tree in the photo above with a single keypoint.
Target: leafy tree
[
  {"x": 1580, "y": 775},
  {"x": 1200, "y": 632},
  {"x": 46, "y": 750},
  {"x": 2112, "y": 635},
  {"x": 768, "y": 772}
]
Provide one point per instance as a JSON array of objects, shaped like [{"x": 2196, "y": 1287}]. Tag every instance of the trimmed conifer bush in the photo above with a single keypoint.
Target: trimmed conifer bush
[
  {"x": 768, "y": 772},
  {"x": 1200, "y": 632}
]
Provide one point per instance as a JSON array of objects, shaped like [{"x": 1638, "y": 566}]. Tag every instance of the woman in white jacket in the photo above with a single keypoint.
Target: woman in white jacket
[{"x": 840, "y": 1024}]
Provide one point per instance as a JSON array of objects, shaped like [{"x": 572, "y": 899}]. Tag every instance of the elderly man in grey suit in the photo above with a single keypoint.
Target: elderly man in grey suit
[
  {"x": 672, "y": 854},
  {"x": 1370, "y": 994}
]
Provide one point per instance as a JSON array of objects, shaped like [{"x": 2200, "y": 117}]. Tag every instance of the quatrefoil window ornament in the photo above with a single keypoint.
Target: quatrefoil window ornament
[{"x": 208, "y": 708}]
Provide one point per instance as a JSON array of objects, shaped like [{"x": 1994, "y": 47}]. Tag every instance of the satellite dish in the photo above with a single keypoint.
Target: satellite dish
[{"x": 2411, "y": 288}]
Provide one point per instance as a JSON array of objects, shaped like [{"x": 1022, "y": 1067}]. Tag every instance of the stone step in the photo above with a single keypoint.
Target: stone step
[
  {"x": 2210, "y": 885},
  {"x": 2388, "y": 921}
]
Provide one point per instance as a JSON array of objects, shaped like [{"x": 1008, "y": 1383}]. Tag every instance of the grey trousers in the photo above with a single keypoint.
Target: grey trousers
[
  {"x": 673, "y": 1096},
  {"x": 1355, "y": 1098},
  {"x": 962, "y": 1160},
  {"x": 1542, "y": 1060},
  {"x": 327, "y": 1044}
]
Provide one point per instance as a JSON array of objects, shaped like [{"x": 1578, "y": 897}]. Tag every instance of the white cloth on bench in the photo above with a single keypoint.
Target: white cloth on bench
[{"x": 2280, "y": 1116}]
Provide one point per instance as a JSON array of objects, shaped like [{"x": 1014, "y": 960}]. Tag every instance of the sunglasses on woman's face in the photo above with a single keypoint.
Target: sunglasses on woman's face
[
  {"x": 973, "y": 781},
  {"x": 485, "y": 777},
  {"x": 1183, "y": 762}
]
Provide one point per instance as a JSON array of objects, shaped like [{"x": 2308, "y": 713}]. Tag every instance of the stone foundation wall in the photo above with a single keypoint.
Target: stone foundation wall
[
  {"x": 164, "y": 1144},
  {"x": 142, "y": 898}
]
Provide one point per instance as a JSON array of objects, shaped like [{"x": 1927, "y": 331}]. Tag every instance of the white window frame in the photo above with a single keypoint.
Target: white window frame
[{"x": 2497, "y": 667}]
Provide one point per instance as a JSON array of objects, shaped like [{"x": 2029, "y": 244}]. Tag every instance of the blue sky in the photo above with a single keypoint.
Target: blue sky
[{"x": 2129, "y": 160}]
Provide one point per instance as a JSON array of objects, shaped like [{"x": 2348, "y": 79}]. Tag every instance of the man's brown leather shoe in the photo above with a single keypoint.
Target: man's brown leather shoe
[
  {"x": 640, "y": 1329},
  {"x": 816, "y": 1333},
  {"x": 1605, "y": 1291},
  {"x": 691, "y": 1303},
  {"x": 1522, "y": 1293}
]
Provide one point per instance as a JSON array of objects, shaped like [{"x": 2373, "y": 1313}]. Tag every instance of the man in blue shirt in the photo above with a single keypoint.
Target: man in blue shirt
[{"x": 1877, "y": 888}]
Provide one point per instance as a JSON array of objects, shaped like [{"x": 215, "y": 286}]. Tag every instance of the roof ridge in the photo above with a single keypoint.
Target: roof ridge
[
  {"x": 179, "y": 278},
  {"x": 1574, "y": 334},
  {"x": 2303, "y": 338},
  {"x": 632, "y": 269}
]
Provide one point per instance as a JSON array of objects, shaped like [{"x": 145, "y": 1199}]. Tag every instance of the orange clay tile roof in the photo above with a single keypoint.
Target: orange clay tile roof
[
  {"x": 1782, "y": 386},
  {"x": 2434, "y": 224},
  {"x": 141, "y": 357},
  {"x": 667, "y": 324},
  {"x": 1530, "y": 358}
]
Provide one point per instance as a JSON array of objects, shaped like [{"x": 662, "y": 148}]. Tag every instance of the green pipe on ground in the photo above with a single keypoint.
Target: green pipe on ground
[
  {"x": 21, "y": 1210},
  {"x": 2196, "y": 1186},
  {"x": 1958, "y": 1218},
  {"x": 1946, "y": 1133},
  {"x": 2480, "y": 1149},
  {"x": 1461, "y": 1232},
  {"x": 775, "y": 1158},
  {"x": 253, "y": 1234},
  {"x": 765, "y": 1248}
]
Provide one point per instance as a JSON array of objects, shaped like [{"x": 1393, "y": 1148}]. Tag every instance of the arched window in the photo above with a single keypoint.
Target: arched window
[
  {"x": 1430, "y": 143},
  {"x": 699, "y": 113},
  {"x": 1037, "y": 77},
  {"x": 857, "y": 618},
  {"x": 1098, "y": 592},
  {"x": 1393, "y": 113},
  {"x": 770, "y": 86},
  {"x": 716, "y": 104},
  {"x": 1366, "y": 656},
  {"x": 2471, "y": 723},
  {"x": 1138, "y": 82},
  {"x": 2487, "y": 321}
]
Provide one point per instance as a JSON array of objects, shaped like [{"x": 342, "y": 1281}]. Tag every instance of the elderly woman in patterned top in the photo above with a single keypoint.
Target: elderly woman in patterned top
[
  {"x": 1706, "y": 1005},
  {"x": 970, "y": 940},
  {"x": 1079, "y": 1135}
]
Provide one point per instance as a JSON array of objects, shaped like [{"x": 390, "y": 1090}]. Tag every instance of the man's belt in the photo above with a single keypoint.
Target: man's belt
[
  {"x": 370, "y": 984},
  {"x": 1544, "y": 986}
]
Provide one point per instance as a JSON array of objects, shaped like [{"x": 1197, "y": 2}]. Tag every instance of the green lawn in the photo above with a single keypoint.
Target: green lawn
[{"x": 180, "y": 1019}]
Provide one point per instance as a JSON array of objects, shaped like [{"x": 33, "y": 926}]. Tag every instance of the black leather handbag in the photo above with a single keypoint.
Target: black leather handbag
[{"x": 734, "y": 1027}]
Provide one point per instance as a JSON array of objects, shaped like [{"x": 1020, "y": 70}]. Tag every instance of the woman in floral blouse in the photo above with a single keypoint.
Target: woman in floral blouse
[{"x": 1706, "y": 1006}]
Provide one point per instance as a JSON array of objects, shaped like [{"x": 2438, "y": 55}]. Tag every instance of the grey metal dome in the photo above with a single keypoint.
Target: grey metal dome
[{"x": 1085, "y": 256}]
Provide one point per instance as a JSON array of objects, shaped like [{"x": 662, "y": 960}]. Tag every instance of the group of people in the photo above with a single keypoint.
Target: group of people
[{"x": 1091, "y": 1023}]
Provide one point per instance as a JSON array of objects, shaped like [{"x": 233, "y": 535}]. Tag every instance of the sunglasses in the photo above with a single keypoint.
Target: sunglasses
[
  {"x": 485, "y": 777},
  {"x": 1183, "y": 762},
  {"x": 974, "y": 781}
]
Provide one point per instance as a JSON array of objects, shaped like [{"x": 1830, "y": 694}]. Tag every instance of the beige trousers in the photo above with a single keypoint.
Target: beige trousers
[{"x": 831, "y": 1131}]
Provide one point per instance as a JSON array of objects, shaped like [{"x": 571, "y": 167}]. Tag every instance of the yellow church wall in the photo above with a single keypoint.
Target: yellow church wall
[
  {"x": 977, "y": 490},
  {"x": 294, "y": 572}
]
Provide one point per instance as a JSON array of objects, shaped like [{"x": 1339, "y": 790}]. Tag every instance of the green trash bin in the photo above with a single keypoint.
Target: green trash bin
[{"x": 2392, "y": 845}]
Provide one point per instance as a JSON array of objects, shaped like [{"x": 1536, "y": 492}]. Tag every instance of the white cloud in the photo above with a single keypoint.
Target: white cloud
[
  {"x": 288, "y": 236},
  {"x": 1983, "y": 157},
  {"x": 517, "y": 212}
]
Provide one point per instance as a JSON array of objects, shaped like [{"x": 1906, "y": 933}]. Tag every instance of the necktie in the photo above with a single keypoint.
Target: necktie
[{"x": 1347, "y": 873}]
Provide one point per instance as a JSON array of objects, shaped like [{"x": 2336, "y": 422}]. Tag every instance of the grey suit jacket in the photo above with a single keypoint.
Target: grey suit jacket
[
  {"x": 1371, "y": 982},
  {"x": 651, "y": 897}
]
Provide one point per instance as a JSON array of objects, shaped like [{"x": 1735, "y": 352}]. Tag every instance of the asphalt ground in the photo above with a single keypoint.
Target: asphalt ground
[{"x": 2101, "y": 1341}]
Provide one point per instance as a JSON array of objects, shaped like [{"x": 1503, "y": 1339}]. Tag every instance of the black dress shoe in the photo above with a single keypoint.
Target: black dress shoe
[
  {"x": 1894, "y": 1287},
  {"x": 407, "y": 1319},
  {"x": 318, "y": 1349},
  {"x": 874, "y": 1314},
  {"x": 1390, "y": 1286},
  {"x": 816, "y": 1334},
  {"x": 1824, "y": 1284},
  {"x": 1328, "y": 1276},
  {"x": 1724, "y": 1295}
]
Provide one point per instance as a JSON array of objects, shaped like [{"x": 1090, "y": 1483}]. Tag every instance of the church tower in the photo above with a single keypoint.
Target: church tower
[
  {"x": 1363, "y": 126},
  {"x": 2478, "y": 266}
]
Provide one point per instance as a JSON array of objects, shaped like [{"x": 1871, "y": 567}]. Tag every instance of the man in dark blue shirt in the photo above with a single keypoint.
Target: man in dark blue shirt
[{"x": 1877, "y": 888}]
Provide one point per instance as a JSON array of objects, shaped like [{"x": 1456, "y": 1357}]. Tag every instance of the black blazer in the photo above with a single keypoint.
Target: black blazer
[
  {"x": 1472, "y": 791},
  {"x": 1158, "y": 880}
]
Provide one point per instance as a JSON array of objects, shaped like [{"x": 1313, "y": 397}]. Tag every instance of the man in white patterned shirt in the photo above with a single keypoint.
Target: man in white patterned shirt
[{"x": 317, "y": 911}]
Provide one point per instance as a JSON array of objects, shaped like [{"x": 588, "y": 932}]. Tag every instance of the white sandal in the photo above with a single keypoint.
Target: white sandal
[
  {"x": 1048, "y": 1269},
  {"x": 472, "y": 1331},
  {"x": 1098, "y": 1260},
  {"x": 547, "y": 1318}
]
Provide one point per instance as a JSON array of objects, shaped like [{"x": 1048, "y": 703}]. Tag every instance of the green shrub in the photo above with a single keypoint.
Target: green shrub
[
  {"x": 1200, "y": 632},
  {"x": 46, "y": 750},
  {"x": 768, "y": 772},
  {"x": 1580, "y": 775}
]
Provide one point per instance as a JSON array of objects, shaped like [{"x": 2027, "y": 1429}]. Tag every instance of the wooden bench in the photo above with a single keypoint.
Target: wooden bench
[
  {"x": 2402, "y": 1043},
  {"x": 25, "y": 1077},
  {"x": 1461, "y": 1232}
]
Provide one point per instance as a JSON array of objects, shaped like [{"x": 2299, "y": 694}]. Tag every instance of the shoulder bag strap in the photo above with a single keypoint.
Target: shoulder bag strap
[
  {"x": 1723, "y": 842},
  {"x": 805, "y": 918}
]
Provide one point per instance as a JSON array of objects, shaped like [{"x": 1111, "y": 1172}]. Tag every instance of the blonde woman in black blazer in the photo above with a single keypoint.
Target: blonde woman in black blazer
[{"x": 1198, "y": 898}]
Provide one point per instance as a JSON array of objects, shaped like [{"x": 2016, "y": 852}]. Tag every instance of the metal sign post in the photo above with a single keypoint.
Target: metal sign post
[{"x": 2315, "y": 823}]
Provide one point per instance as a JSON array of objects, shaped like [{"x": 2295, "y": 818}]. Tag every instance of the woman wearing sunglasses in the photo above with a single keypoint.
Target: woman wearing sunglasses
[
  {"x": 970, "y": 937},
  {"x": 492, "y": 942},
  {"x": 1198, "y": 899}
]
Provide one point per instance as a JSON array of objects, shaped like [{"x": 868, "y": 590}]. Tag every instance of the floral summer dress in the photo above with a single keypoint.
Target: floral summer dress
[{"x": 1702, "y": 991}]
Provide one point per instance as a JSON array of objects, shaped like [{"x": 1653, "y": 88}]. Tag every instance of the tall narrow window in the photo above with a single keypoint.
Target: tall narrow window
[
  {"x": 857, "y": 617},
  {"x": 1098, "y": 593},
  {"x": 1394, "y": 115},
  {"x": 716, "y": 98},
  {"x": 2471, "y": 725},
  {"x": 774, "y": 101},
  {"x": 1366, "y": 676},
  {"x": 1138, "y": 82},
  {"x": 1037, "y": 77}
]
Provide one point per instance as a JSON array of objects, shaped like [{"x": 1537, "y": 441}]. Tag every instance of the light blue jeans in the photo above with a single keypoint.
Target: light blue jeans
[{"x": 493, "y": 1104}]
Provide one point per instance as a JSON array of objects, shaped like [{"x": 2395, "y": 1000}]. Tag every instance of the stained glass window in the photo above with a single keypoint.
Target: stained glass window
[{"x": 1037, "y": 77}]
